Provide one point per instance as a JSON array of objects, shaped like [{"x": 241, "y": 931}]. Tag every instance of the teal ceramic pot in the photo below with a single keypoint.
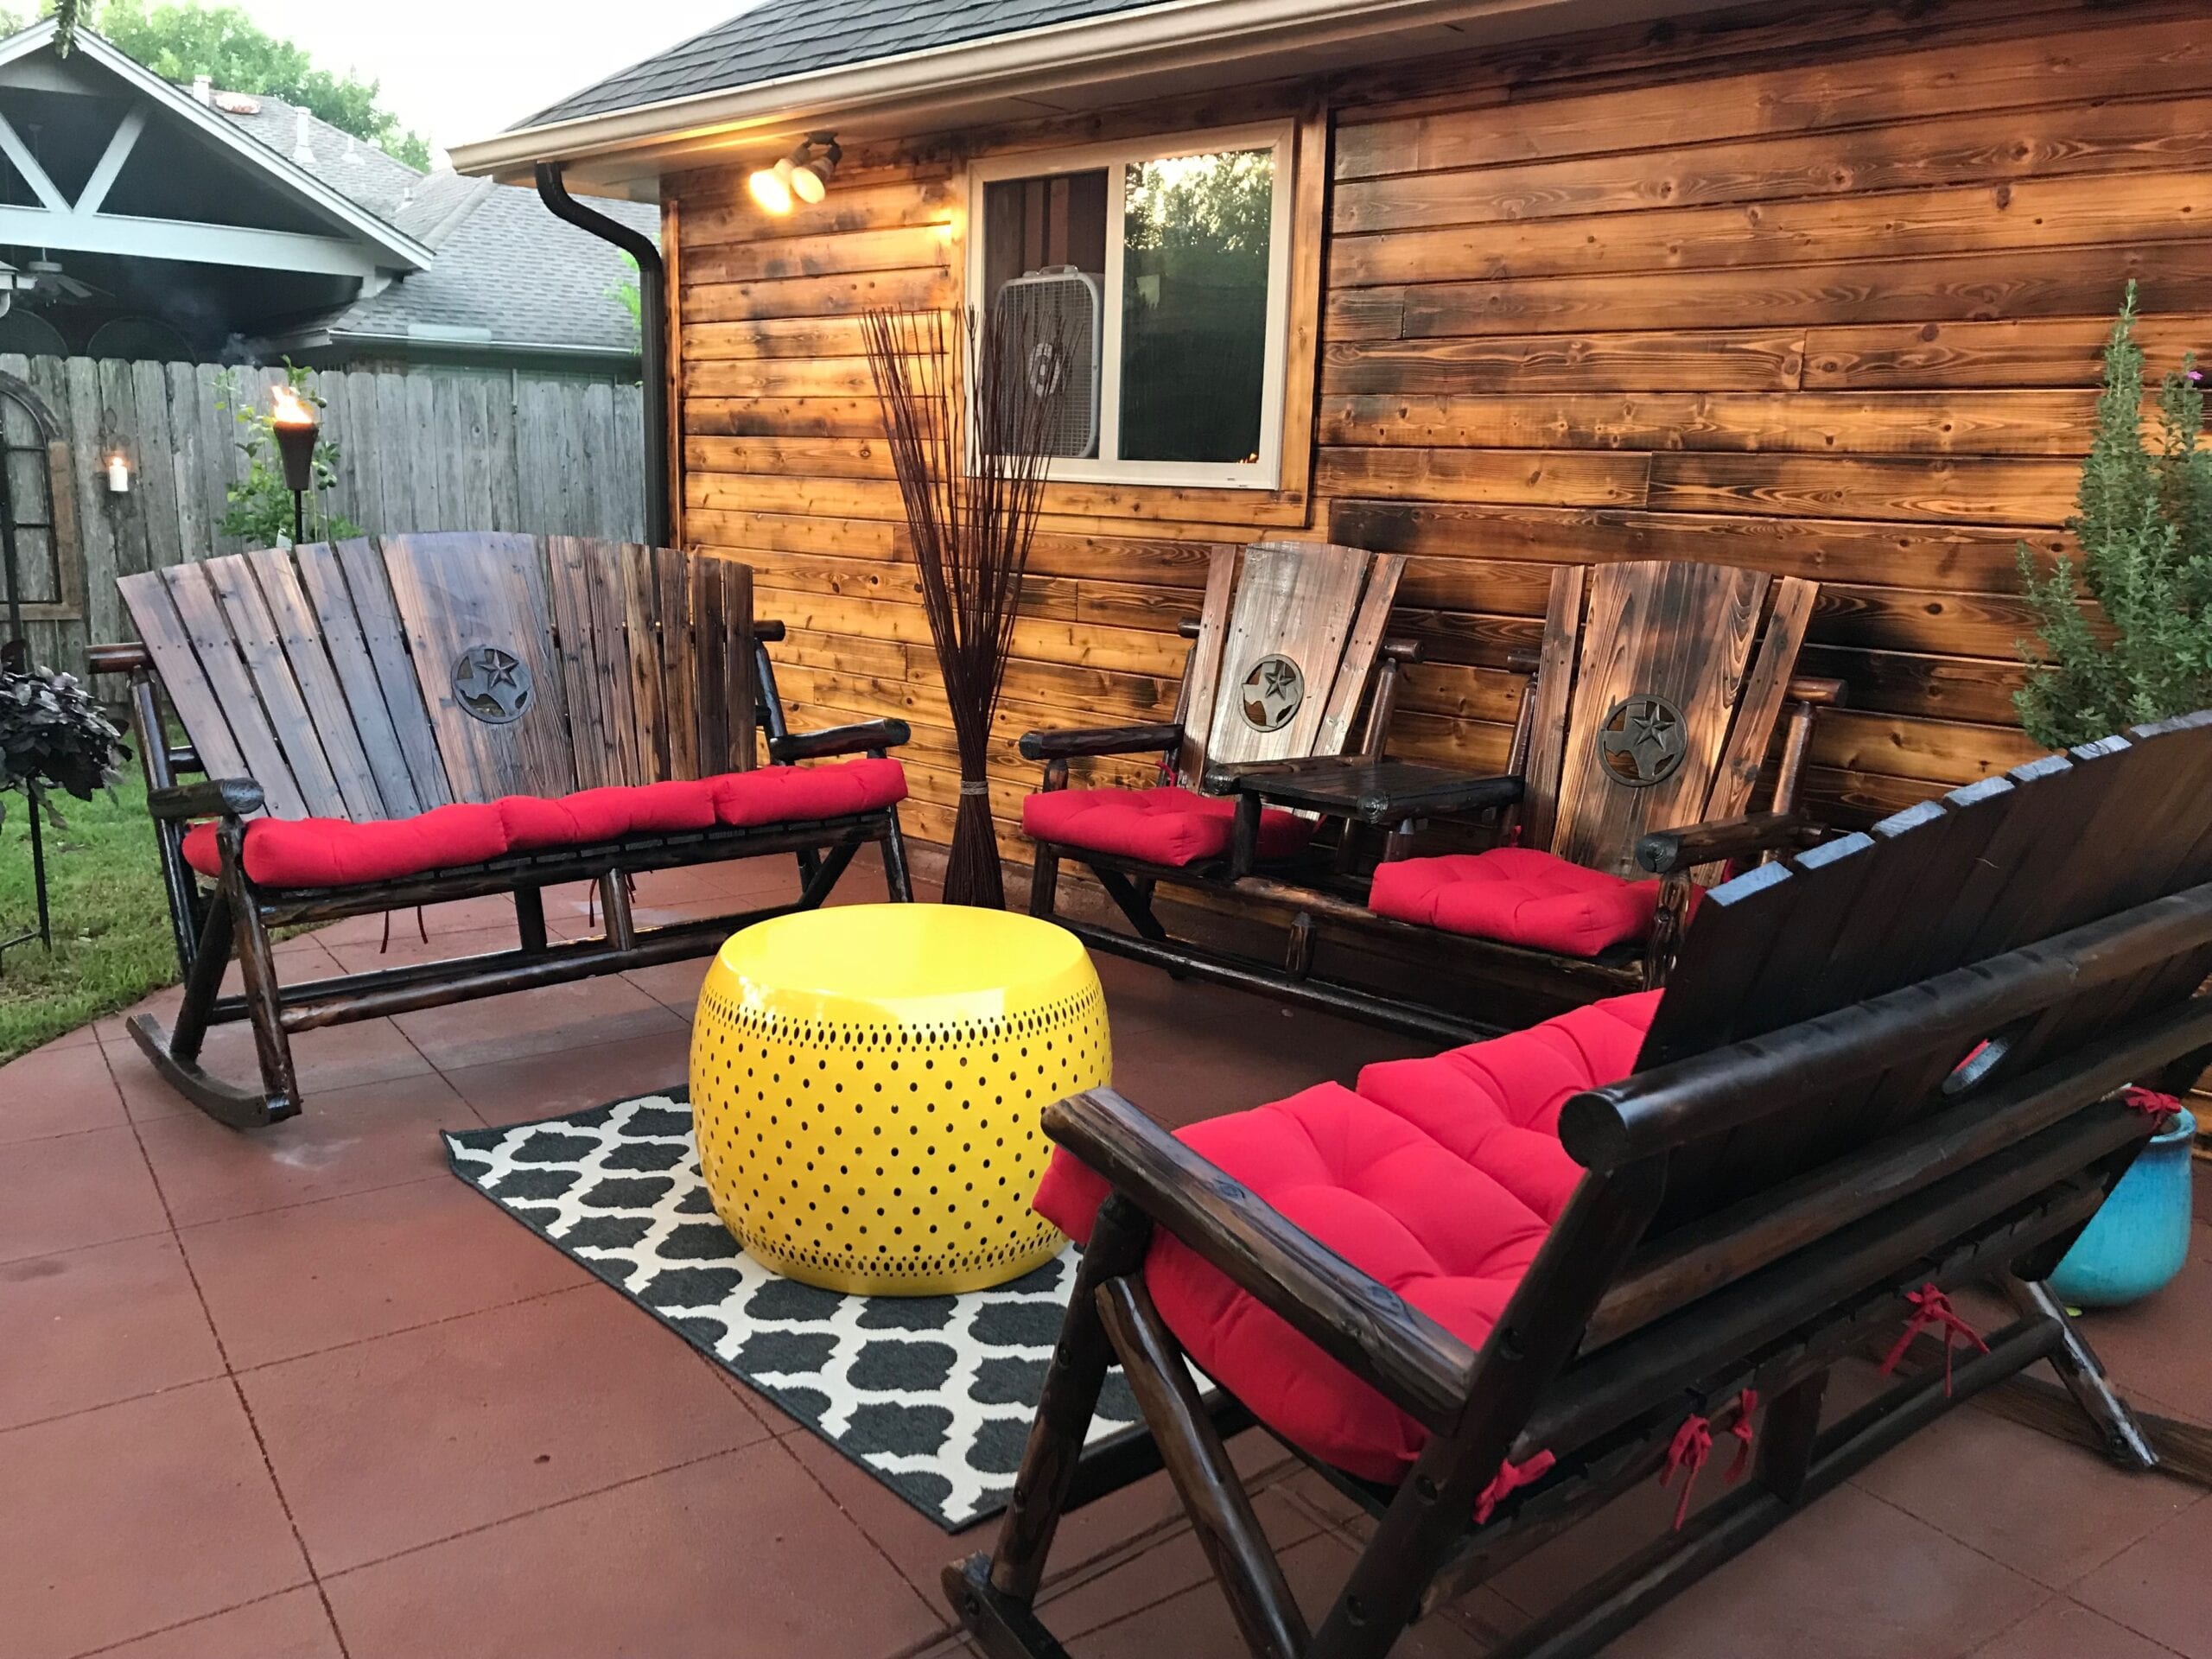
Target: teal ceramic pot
[{"x": 2139, "y": 1241}]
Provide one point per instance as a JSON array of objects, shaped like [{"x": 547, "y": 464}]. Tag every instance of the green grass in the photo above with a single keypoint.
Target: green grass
[{"x": 111, "y": 941}]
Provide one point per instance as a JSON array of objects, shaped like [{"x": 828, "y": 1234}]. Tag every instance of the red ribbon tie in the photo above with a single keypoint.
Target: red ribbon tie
[
  {"x": 1693, "y": 1444},
  {"x": 1510, "y": 1477},
  {"x": 2149, "y": 1102},
  {"x": 1932, "y": 1310},
  {"x": 1746, "y": 1403}
]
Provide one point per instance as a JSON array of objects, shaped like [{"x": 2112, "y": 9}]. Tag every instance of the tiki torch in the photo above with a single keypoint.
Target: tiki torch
[{"x": 293, "y": 419}]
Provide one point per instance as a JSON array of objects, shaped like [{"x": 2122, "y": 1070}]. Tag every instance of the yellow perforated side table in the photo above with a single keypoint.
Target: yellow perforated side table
[{"x": 866, "y": 1083}]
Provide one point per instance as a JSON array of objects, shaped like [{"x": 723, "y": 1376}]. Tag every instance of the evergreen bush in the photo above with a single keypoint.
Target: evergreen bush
[{"x": 2144, "y": 526}]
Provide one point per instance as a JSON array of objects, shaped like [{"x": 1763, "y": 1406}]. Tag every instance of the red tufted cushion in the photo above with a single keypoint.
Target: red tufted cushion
[
  {"x": 336, "y": 853},
  {"x": 795, "y": 794},
  {"x": 1517, "y": 896},
  {"x": 1449, "y": 1213},
  {"x": 1497, "y": 1103},
  {"x": 592, "y": 816},
  {"x": 1162, "y": 826}
]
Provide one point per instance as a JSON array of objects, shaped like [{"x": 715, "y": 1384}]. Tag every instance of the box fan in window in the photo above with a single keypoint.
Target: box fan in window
[{"x": 1061, "y": 312}]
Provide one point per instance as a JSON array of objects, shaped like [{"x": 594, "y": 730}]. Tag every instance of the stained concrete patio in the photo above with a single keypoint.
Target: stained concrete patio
[{"x": 301, "y": 1393}]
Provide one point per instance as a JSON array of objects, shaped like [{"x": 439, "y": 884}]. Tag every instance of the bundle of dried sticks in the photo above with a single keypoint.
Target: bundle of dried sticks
[{"x": 971, "y": 473}]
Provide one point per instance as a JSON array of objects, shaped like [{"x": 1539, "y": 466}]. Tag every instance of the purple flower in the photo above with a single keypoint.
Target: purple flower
[{"x": 2195, "y": 375}]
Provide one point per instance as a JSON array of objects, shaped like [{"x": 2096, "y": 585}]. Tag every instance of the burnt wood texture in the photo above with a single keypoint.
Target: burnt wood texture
[
  {"x": 1818, "y": 291},
  {"x": 366, "y": 680},
  {"x": 1891, "y": 1062}
]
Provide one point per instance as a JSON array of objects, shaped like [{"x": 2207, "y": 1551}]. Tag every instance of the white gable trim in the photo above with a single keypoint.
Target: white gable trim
[{"x": 387, "y": 247}]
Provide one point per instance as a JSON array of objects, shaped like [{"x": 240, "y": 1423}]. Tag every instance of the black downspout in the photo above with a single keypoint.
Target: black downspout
[{"x": 653, "y": 330}]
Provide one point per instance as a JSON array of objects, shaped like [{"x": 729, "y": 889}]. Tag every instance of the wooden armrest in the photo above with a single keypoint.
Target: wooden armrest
[
  {"x": 1663, "y": 852},
  {"x": 1815, "y": 689},
  {"x": 124, "y": 658},
  {"x": 767, "y": 628},
  {"x": 1099, "y": 740},
  {"x": 1524, "y": 659},
  {"x": 211, "y": 797},
  {"x": 855, "y": 738},
  {"x": 1363, "y": 1325}
]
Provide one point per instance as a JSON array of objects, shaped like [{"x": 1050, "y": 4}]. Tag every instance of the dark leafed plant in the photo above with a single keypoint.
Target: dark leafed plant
[
  {"x": 2145, "y": 524},
  {"x": 53, "y": 736},
  {"x": 971, "y": 473}
]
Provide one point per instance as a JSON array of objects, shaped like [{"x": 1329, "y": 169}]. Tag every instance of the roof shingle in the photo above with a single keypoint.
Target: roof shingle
[{"x": 781, "y": 38}]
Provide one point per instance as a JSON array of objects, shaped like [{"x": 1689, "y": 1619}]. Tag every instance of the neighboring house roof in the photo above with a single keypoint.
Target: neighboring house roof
[
  {"x": 506, "y": 273},
  {"x": 782, "y": 38}
]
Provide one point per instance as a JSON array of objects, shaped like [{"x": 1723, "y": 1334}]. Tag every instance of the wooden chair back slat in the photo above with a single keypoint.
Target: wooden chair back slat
[
  {"x": 1202, "y": 678},
  {"x": 1361, "y": 647},
  {"x": 314, "y": 615},
  {"x": 679, "y": 663},
  {"x": 1547, "y": 727},
  {"x": 1764, "y": 692},
  {"x": 217, "y": 651},
  {"x": 641, "y": 630},
  {"x": 569, "y": 580},
  {"x": 351, "y": 574},
  {"x": 1669, "y": 630},
  {"x": 191, "y": 694},
  {"x": 462, "y": 594}
]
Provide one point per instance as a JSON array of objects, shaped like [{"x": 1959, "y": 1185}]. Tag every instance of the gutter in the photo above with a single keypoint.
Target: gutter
[
  {"x": 653, "y": 332},
  {"x": 1152, "y": 40}
]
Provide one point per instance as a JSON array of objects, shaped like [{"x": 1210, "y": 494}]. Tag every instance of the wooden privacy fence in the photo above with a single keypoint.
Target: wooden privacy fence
[{"x": 426, "y": 449}]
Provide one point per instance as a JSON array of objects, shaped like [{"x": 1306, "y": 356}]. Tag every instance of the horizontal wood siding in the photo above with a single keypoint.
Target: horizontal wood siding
[{"x": 1820, "y": 291}]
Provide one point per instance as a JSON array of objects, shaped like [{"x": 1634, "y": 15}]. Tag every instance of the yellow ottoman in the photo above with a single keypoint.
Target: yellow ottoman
[{"x": 866, "y": 1083}]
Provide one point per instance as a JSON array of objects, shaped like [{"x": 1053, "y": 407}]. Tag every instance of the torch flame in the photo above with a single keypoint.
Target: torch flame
[{"x": 288, "y": 408}]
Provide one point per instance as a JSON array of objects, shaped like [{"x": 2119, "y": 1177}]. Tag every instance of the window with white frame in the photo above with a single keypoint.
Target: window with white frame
[{"x": 1168, "y": 261}]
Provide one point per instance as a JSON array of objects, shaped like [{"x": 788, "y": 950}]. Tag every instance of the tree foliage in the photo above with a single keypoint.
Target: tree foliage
[
  {"x": 180, "y": 40},
  {"x": 2144, "y": 526}
]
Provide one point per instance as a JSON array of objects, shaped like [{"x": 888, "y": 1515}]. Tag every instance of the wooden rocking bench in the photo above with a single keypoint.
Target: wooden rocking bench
[
  {"x": 1485, "y": 1294},
  {"x": 1644, "y": 725},
  {"x": 420, "y": 719}
]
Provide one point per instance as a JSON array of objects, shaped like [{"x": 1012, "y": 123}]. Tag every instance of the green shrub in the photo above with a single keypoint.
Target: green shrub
[
  {"x": 2144, "y": 526},
  {"x": 53, "y": 736},
  {"x": 260, "y": 506}
]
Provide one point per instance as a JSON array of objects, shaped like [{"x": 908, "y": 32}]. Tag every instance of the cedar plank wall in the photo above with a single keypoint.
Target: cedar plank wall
[{"x": 1820, "y": 290}]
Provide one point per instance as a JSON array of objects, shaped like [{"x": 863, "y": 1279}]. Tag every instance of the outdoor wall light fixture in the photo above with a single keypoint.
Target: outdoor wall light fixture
[
  {"x": 297, "y": 426},
  {"x": 119, "y": 474},
  {"x": 800, "y": 176}
]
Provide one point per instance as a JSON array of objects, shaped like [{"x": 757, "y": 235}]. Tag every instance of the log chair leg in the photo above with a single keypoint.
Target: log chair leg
[
  {"x": 204, "y": 983},
  {"x": 1789, "y": 1435},
  {"x": 2084, "y": 1374},
  {"x": 897, "y": 880},
  {"x": 529, "y": 918},
  {"x": 994, "y": 1596},
  {"x": 234, "y": 923},
  {"x": 1044, "y": 881},
  {"x": 258, "y": 976},
  {"x": 1229, "y": 1533}
]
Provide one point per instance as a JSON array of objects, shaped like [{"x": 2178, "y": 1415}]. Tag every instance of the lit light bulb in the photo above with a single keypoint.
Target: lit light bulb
[{"x": 772, "y": 187}]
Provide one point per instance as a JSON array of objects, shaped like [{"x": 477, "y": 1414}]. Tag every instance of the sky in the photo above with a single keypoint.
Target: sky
[{"x": 455, "y": 70}]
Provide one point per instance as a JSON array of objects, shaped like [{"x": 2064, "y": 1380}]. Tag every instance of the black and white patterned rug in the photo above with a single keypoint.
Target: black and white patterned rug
[{"x": 930, "y": 1395}]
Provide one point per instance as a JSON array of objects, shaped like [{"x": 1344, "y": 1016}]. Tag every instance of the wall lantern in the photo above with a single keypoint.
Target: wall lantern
[
  {"x": 119, "y": 474},
  {"x": 803, "y": 175},
  {"x": 297, "y": 426}
]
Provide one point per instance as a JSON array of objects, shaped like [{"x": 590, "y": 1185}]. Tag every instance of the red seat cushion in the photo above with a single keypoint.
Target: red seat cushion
[
  {"x": 337, "y": 853},
  {"x": 1166, "y": 825},
  {"x": 1426, "y": 1205},
  {"x": 591, "y": 816},
  {"x": 1517, "y": 896},
  {"x": 1497, "y": 1103},
  {"x": 795, "y": 794}
]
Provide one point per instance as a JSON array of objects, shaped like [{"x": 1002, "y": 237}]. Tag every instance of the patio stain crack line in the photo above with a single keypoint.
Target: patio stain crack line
[
  {"x": 942, "y": 1614},
  {"x": 201, "y": 1619},
  {"x": 238, "y": 1390}
]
